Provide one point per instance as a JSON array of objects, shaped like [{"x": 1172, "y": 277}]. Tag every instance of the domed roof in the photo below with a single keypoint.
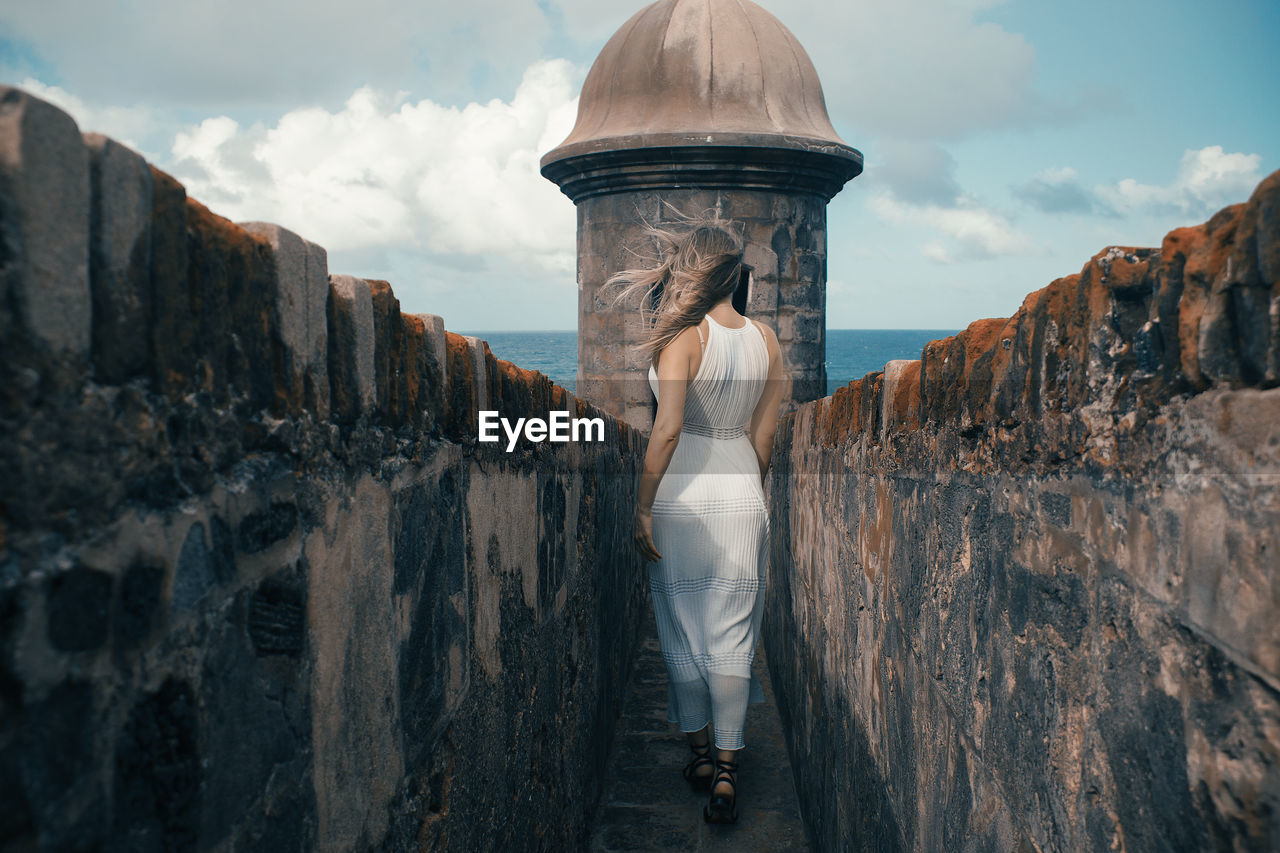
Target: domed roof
[{"x": 702, "y": 72}]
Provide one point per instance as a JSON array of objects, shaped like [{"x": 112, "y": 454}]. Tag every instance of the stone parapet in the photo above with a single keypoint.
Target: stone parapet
[
  {"x": 1023, "y": 589},
  {"x": 261, "y": 586}
]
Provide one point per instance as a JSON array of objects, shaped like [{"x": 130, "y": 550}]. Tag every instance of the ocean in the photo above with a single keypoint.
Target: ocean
[{"x": 851, "y": 353}]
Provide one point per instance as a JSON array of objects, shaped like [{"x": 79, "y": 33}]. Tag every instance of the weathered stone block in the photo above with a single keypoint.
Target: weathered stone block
[
  {"x": 254, "y": 723},
  {"x": 388, "y": 352},
  {"x": 44, "y": 177},
  {"x": 263, "y": 528},
  {"x": 351, "y": 347},
  {"x": 804, "y": 385},
  {"x": 277, "y": 616},
  {"x": 430, "y": 556},
  {"x": 805, "y": 355},
  {"x": 901, "y": 394},
  {"x": 786, "y": 327},
  {"x": 415, "y": 365},
  {"x": 17, "y": 823},
  {"x": 77, "y": 609},
  {"x": 137, "y": 609},
  {"x": 57, "y": 743},
  {"x": 194, "y": 574},
  {"x": 461, "y": 402},
  {"x": 811, "y": 268},
  {"x": 157, "y": 786},
  {"x": 783, "y": 249},
  {"x": 173, "y": 333},
  {"x": 425, "y": 362},
  {"x": 435, "y": 337},
  {"x": 1056, "y": 509},
  {"x": 809, "y": 327},
  {"x": 479, "y": 351},
  {"x": 355, "y": 719},
  {"x": 301, "y": 296},
  {"x": 801, "y": 295},
  {"x": 120, "y": 259},
  {"x": 233, "y": 284}
]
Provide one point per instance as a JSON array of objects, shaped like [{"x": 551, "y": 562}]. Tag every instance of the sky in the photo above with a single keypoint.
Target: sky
[{"x": 1005, "y": 143}]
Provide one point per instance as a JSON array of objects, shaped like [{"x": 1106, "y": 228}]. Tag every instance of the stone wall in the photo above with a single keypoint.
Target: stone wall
[
  {"x": 260, "y": 588},
  {"x": 1024, "y": 591}
]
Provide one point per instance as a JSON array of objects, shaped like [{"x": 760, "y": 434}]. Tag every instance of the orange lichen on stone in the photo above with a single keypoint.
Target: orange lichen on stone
[
  {"x": 1134, "y": 327},
  {"x": 876, "y": 535},
  {"x": 973, "y": 375},
  {"x": 460, "y": 392},
  {"x": 519, "y": 376},
  {"x": 173, "y": 331},
  {"x": 904, "y": 405},
  {"x": 858, "y": 404},
  {"x": 939, "y": 367},
  {"x": 980, "y": 336},
  {"x": 1202, "y": 254},
  {"x": 839, "y": 416},
  {"x": 519, "y": 392},
  {"x": 414, "y": 367},
  {"x": 854, "y": 414},
  {"x": 389, "y": 381},
  {"x": 559, "y": 398},
  {"x": 232, "y": 291},
  {"x": 1253, "y": 280}
]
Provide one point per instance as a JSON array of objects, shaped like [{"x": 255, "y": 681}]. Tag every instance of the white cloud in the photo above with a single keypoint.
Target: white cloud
[
  {"x": 269, "y": 53},
  {"x": 974, "y": 232},
  {"x": 1057, "y": 174},
  {"x": 1058, "y": 189},
  {"x": 929, "y": 70},
  {"x": 1208, "y": 179},
  {"x": 384, "y": 172},
  {"x": 917, "y": 172},
  {"x": 123, "y": 124}
]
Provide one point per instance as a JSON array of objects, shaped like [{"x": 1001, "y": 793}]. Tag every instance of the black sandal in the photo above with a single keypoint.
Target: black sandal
[
  {"x": 722, "y": 809},
  {"x": 701, "y": 758}
]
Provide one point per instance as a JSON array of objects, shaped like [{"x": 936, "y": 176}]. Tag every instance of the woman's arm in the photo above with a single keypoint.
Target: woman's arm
[
  {"x": 676, "y": 364},
  {"x": 764, "y": 420}
]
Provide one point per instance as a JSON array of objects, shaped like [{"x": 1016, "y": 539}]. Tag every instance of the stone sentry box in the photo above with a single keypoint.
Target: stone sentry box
[{"x": 665, "y": 121}]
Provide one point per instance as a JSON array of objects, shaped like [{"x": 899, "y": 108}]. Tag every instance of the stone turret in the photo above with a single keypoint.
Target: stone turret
[{"x": 702, "y": 104}]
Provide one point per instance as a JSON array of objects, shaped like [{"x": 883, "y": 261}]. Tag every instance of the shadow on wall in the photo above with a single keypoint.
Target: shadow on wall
[{"x": 260, "y": 585}]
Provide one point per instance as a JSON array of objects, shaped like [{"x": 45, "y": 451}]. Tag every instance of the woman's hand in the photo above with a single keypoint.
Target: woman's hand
[{"x": 643, "y": 536}]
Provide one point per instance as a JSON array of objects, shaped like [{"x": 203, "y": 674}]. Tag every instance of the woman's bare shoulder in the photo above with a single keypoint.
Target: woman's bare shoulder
[
  {"x": 770, "y": 337},
  {"x": 686, "y": 341},
  {"x": 684, "y": 345}
]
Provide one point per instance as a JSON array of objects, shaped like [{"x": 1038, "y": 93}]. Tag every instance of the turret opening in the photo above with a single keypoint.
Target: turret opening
[{"x": 743, "y": 291}]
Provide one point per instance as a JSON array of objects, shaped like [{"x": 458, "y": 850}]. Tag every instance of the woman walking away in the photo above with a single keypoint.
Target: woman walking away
[{"x": 700, "y": 512}]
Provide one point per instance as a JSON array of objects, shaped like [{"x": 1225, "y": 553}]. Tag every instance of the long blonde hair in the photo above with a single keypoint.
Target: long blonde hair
[{"x": 698, "y": 263}]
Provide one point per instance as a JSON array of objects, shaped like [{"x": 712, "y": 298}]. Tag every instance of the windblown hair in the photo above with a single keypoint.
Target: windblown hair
[{"x": 698, "y": 263}]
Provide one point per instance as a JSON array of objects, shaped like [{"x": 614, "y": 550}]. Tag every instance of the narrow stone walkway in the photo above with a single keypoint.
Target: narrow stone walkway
[{"x": 647, "y": 805}]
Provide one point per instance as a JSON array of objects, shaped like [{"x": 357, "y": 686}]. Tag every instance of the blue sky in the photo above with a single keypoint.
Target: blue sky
[{"x": 1005, "y": 142}]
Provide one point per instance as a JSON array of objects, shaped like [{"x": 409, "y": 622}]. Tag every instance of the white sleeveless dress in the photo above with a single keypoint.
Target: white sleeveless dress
[{"x": 711, "y": 526}]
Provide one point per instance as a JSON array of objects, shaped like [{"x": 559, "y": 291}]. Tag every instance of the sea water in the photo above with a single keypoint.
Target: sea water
[{"x": 851, "y": 353}]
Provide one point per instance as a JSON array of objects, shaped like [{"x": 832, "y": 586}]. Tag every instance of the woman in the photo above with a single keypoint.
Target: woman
[{"x": 700, "y": 510}]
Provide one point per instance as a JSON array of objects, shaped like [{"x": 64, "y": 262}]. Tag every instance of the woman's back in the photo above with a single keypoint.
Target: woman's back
[{"x": 723, "y": 395}]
